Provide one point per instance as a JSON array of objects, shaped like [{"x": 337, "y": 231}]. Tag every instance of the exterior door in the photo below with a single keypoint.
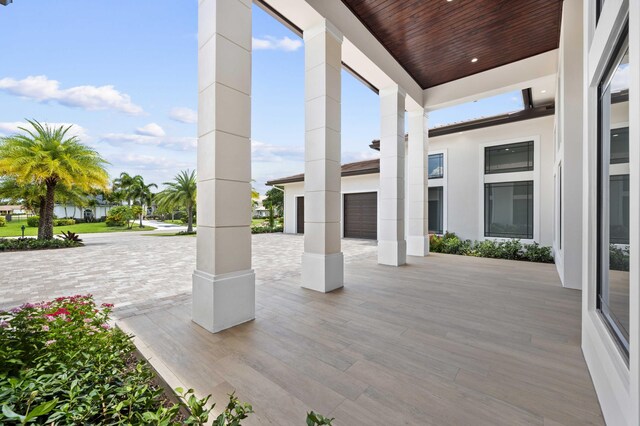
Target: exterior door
[
  {"x": 361, "y": 215},
  {"x": 300, "y": 215}
]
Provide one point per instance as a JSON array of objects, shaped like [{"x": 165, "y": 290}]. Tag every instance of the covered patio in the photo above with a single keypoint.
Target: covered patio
[{"x": 446, "y": 340}]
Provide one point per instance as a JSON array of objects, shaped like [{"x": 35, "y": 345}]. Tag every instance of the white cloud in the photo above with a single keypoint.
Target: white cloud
[
  {"x": 10, "y": 128},
  {"x": 285, "y": 44},
  {"x": 92, "y": 98},
  {"x": 353, "y": 156},
  {"x": 178, "y": 143},
  {"x": 151, "y": 129},
  {"x": 265, "y": 152},
  {"x": 183, "y": 115}
]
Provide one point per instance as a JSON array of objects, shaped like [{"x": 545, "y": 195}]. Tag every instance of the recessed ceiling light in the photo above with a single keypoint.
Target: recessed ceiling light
[
  {"x": 543, "y": 91},
  {"x": 449, "y": 1},
  {"x": 474, "y": 60}
]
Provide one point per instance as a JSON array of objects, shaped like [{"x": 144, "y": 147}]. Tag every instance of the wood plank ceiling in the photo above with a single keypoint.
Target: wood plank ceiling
[{"x": 435, "y": 40}]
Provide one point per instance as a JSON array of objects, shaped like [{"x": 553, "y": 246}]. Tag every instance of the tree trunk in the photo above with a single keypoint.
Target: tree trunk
[
  {"x": 47, "y": 230},
  {"x": 190, "y": 219},
  {"x": 41, "y": 214}
]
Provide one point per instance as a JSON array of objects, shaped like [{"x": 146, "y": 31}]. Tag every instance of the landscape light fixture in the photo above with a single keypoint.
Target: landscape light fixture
[{"x": 22, "y": 227}]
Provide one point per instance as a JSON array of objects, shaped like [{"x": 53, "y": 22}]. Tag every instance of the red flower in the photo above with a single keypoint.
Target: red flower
[{"x": 61, "y": 311}]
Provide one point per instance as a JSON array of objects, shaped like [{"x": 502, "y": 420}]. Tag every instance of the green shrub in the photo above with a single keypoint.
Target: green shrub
[
  {"x": 19, "y": 244},
  {"x": 119, "y": 216},
  {"x": 3, "y": 221},
  {"x": 33, "y": 221},
  {"x": 537, "y": 253},
  {"x": 63, "y": 222},
  {"x": 266, "y": 229},
  {"x": 62, "y": 363},
  {"x": 511, "y": 249}
]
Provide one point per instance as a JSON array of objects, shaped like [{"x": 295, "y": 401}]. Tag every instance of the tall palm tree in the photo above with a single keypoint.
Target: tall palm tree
[
  {"x": 140, "y": 192},
  {"x": 122, "y": 185},
  {"x": 181, "y": 191},
  {"x": 46, "y": 156}
]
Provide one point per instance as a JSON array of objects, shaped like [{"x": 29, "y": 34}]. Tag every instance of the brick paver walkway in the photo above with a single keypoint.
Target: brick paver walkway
[{"x": 138, "y": 272}]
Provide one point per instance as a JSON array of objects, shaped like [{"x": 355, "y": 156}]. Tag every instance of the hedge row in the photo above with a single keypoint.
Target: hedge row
[{"x": 512, "y": 249}]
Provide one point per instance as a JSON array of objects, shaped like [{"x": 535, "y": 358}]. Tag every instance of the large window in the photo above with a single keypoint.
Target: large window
[
  {"x": 515, "y": 157},
  {"x": 613, "y": 197},
  {"x": 436, "y": 166},
  {"x": 436, "y": 207},
  {"x": 508, "y": 209}
]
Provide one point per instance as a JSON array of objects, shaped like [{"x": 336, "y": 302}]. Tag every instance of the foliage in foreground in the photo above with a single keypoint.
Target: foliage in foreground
[
  {"x": 18, "y": 244},
  {"x": 3, "y": 221},
  {"x": 512, "y": 249},
  {"x": 62, "y": 363},
  {"x": 265, "y": 228}
]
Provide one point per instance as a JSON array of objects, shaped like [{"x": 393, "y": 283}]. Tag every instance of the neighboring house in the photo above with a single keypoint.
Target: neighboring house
[
  {"x": 9, "y": 210},
  {"x": 93, "y": 209},
  {"x": 489, "y": 182}
]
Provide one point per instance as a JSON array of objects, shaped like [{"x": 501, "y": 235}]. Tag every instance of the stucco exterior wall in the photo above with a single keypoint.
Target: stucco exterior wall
[
  {"x": 464, "y": 162},
  {"x": 463, "y": 195}
]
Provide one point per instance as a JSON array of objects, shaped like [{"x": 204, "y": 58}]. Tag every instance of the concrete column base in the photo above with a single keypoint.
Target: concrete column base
[
  {"x": 322, "y": 272},
  {"x": 392, "y": 253},
  {"x": 417, "y": 245},
  {"x": 223, "y": 301}
]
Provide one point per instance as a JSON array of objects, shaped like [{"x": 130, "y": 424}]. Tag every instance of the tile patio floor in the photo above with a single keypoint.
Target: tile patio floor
[{"x": 446, "y": 340}]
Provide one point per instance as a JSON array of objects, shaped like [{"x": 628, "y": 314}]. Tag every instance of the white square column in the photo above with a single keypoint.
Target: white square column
[
  {"x": 322, "y": 261},
  {"x": 223, "y": 282},
  {"x": 392, "y": 247},
  {"x": 418, "y": 184}
]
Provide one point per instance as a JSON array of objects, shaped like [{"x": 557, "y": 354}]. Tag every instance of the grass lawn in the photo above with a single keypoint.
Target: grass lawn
[{"x": 12, "y": 229}]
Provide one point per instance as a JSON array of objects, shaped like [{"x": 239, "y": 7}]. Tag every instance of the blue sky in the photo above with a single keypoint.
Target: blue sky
[{"x": 124, "y": 73}]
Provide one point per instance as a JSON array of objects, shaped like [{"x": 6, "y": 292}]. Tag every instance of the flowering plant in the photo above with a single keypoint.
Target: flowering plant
[{"x": 62, "y": 363}]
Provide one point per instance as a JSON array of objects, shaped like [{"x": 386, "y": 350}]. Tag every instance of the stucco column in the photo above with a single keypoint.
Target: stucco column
[
  {"x": 322, "y": 261},
  {"x": 223, "y": 282},
  {"x": 392, "y": 247},
  {"x": 418, "y": 184}
]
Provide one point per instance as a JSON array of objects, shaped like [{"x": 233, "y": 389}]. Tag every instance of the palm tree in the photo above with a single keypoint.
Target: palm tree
[
  {"x": 47, "y": 157},
  {"x": 140, "y": 192},
  {"x": 123, "y": 184},
  {"x": 182, "y": 191}
]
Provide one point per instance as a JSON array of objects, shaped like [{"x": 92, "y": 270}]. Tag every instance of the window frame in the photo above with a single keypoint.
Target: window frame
[
  {"x": 441, "y": 182},
  {"x": 612, "y": 325},
  {"x": 530, "y": 185},
  {"x": 530, "y": 158},
  {"x": 533, "y": 175},
  {"x": 436, "y": 154}
]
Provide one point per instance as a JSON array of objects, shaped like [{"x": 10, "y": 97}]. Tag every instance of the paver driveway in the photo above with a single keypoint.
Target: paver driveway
[{"x": 137, "y": 272}]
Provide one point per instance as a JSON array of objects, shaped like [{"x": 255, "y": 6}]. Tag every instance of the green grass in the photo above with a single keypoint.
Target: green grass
[{"x": 12, "y": 229}]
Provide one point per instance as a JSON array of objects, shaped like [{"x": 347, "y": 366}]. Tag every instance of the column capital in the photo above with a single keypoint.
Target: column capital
[
  {"x": 392, "y": 89},
  {"x": 324, "y": 26}
]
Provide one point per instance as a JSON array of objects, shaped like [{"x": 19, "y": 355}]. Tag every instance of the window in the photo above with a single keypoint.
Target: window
[
  {"x": 619, "y": 146},
  {"x": 613, "y": 197},
  {"x": 436, "y": 166},
  {"x": 436, "y": 204},
  {"x": 516, "y": 157},
  {"x": 508, "y": 209}
]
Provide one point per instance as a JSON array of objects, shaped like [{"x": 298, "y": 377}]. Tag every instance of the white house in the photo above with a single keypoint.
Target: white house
[
  {"x": 495, "y": 181},
  {"x": 578, "y": 189}
]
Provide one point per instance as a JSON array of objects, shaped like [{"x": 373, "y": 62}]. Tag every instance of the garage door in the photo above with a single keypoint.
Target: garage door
[
  {"x": 300, "y": 215},
  {"x": 361, "y": 215}
]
